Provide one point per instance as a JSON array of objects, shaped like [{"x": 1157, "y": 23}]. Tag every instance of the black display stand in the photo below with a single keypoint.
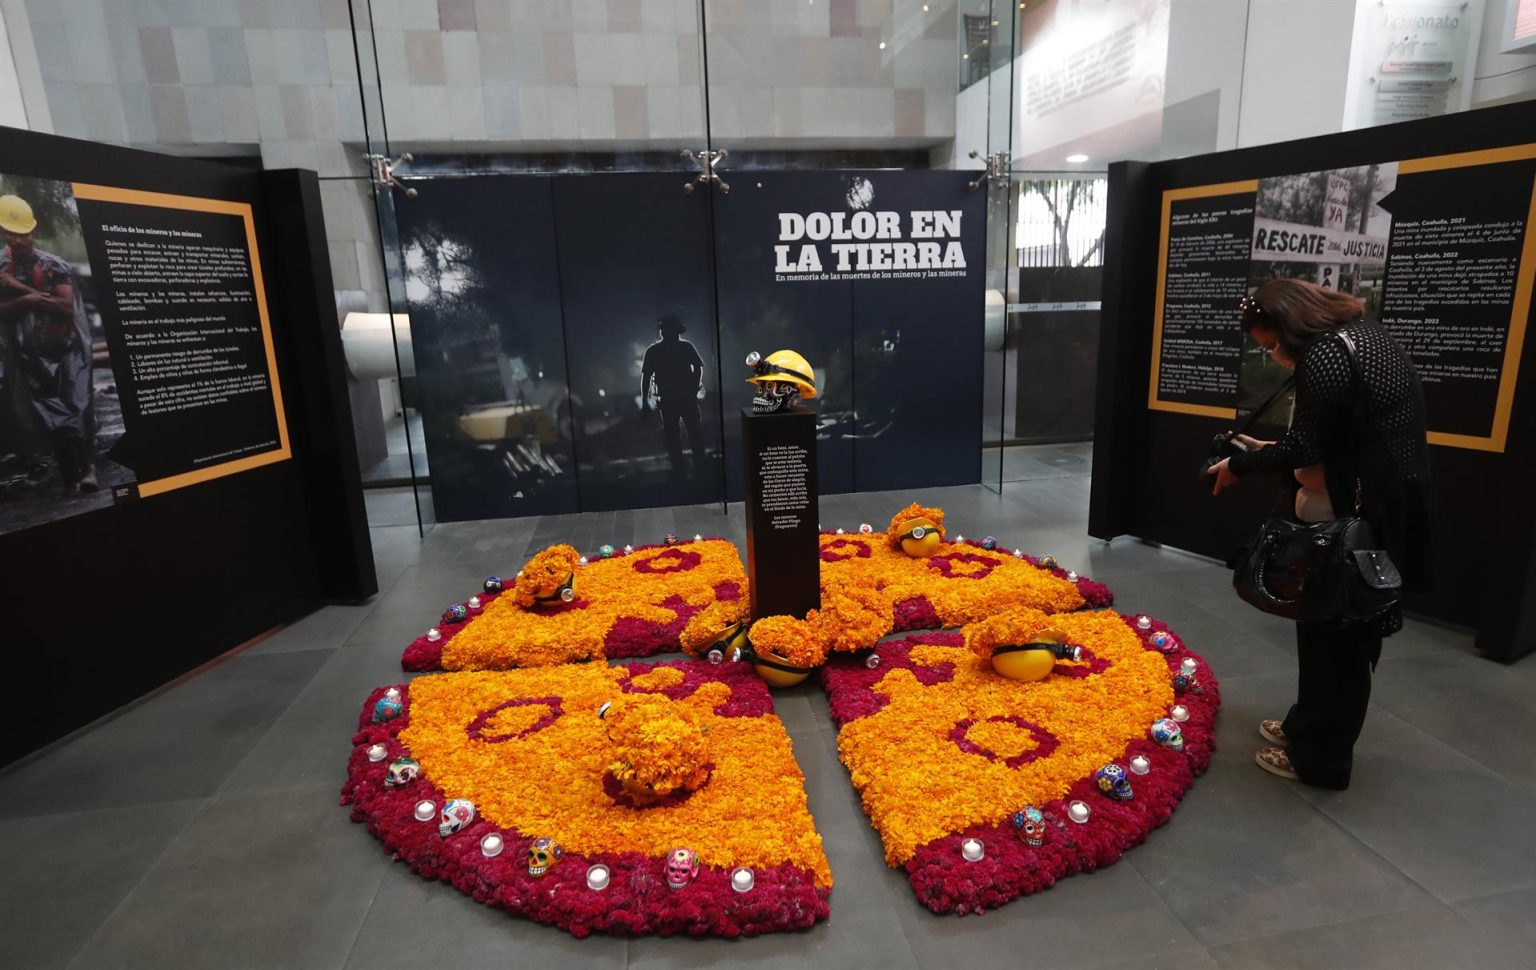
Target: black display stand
[{"x": 783, "y": 564}]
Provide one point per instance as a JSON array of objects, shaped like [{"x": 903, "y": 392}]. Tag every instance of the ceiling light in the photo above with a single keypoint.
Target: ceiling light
[
  {"x": 1077, "y": 159},
  {"x": 882, "y": 45}
]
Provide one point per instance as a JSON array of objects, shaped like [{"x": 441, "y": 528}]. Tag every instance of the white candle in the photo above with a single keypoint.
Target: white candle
[
  {"x": 491, "y": 846},
  {"x": 434, "y": 634},
  {"x": 742, "y": 880},
  {"x": 1143, "y": 622},
  {"x": 474, "y": 602},
  {"x": 1179, "y": 713},
  {"x": 377, "y": 753},
  {"x": 1140, "y": 764},
  {"x": 1071, "y": 577},
  {"x": 1189, "y": 666},
  {"x": 972, "y": 850},
  {"x": 1078, "y": 811},
  {"x": 597, "y": 876},
  {"x": 425, "y": 810}
]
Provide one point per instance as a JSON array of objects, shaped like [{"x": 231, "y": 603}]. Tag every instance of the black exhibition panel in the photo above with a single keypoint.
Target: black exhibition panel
[
  {"x": 108, "y": 604},
  {"x": 1428, "y": 222},
  {"x": 779, "y": 453},
  {"x": 1053, "y": 346}
]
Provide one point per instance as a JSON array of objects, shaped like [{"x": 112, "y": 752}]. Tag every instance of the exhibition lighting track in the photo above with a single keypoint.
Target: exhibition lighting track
[
  {"x": 707, "y": 160},
  {"x": 997, "y": 168}
]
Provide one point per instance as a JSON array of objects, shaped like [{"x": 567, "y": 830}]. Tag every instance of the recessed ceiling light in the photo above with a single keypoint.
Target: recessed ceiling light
[
  {"x": 882, "y": 45},
  {"x": 994, "y": 23},
  {"x": 925, "y": 8},
  {"x": 1077, "y": 159}
]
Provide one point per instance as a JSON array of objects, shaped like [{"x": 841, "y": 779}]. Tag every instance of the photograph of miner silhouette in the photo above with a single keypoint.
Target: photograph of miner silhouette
[{"x": 671, "y": 375}]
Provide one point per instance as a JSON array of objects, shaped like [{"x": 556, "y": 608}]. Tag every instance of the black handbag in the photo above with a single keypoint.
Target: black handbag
[{"x": 1329, "y": 571}]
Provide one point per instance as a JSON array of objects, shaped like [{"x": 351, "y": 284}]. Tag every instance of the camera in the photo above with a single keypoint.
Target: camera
[{"x": 1222, "y": 447}]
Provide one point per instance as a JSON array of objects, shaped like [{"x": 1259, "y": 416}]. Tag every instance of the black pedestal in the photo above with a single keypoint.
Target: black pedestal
[{"x": 783, "y": 555}]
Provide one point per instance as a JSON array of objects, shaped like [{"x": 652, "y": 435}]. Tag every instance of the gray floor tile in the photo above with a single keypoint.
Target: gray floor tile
[
  {"x": 178, "y": 745},
  {"x": 65, "y": 874},
  {"x": 281, "y": 880},
  {"x": 1512, "y": 913},
  {"x": 1427, "y": 937},
  {"x": 324, "y": 629},
  {"x": 1451, "y": 825}
]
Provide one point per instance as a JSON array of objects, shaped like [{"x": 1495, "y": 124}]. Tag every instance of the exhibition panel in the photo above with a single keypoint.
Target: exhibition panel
[
  {"x": 1440, "y": 250},
  {"x": 173, "y": 389}
]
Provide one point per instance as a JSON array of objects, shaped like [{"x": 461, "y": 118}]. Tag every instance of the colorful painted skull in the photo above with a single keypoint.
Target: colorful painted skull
[
  {"x": 670, "y": 540},
  {"x": 682, "y": 866},
  {"x": 1167, "y": 733},
  {"x": 457, "y": 613},
  {"x": 1163, "y": 641},
  {"x": 1187, "y": 684},
  {"x": 1046, "y": 562},
  {"x": 1029, "y": 822},
  {"x": 387, "y": 709},
  {"x": 457, "y": 813},
  {"x": 865, "y": 528},
  {"x": 605, "y": 550},
  {"x": 989, "y": 543},
  {"x": 1114, "y": 782},
  {"x": 401, "y": 772},
  {"x": 543, "y": 855},
  {"x": 493, "y": 584}
]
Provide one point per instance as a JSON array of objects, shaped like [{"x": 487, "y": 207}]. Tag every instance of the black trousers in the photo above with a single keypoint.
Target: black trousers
[{"x": 1333, "y": 688}]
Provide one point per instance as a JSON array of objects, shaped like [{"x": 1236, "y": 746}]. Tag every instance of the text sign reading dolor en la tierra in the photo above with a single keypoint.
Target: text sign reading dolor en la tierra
[{"x": 869, "y": 245}]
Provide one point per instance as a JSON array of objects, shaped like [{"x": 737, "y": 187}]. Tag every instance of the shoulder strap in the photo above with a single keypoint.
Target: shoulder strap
[
  {"x": 1361, "y": 390},
  {"x": 1258, "y": 412}
]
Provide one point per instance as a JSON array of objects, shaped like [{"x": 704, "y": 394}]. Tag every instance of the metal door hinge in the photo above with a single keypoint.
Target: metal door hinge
[
  {"x": 383, "y": 169},
  {"x": 708, "y": 161},
  {"x": 997, "y": 168}
]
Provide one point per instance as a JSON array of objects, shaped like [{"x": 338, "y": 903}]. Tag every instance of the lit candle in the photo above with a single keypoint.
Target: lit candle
[
  {"x": 1189, "y": 666},
  {"x": 434, "y": 634},
  {"x": 426, "y": 810},
  {"x": 377, "y": 753},
  {"x": 959, "y": 538},
  {"x": 696, "y": 536},
  {"x": 972, "y": 850},
  {"x": 839, "y": 530},
  {"x": 1143, "y": 622},
  {"x": 597, "y": 877},
  {"x": 1140, "y": 764},
  {"x": 491, "y": 846},
  {"x": 1078, "y": 812},
  {"x": 628, "y": 549},
  {"x": 474, "y": 602},
  {"x": 742, "y": 880},
  {"x": 1018, "y": 553},
  {"x": 1179, "y": 713},
  {"x": 1071, "y": 577}
]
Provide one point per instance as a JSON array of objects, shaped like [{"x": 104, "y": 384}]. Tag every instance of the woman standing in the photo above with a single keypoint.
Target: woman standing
[{"x": 1351, "y": 444}]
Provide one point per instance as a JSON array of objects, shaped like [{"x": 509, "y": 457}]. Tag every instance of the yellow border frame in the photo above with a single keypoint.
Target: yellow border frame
[
  {"x": 106, "y": 193},
  {"x": 1171, "y": 196},
  {"x": 1520, "y": 308}
]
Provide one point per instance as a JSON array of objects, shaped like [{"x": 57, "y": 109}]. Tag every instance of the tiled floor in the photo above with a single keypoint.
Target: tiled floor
[{"x": 201, "y": 828}]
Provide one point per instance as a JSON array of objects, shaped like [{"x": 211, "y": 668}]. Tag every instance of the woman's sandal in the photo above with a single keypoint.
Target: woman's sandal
[
  {"x": 1276, "y": 762},
  {"x": 1272, "y": 729}
]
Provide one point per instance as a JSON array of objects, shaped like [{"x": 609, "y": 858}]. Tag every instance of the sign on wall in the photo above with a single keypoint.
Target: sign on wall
[
  {"x": 1440, "y": 250},
  {"x": 1410, "y": 59}
]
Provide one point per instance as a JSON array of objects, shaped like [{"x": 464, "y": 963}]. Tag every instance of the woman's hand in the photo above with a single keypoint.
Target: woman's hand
[
  {"x": 1251, "y": 444},
  {"x": 1224, "y": 476}
]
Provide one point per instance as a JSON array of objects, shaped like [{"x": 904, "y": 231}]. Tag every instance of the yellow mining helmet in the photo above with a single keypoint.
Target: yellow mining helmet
[
  {"x": 16, "y": 216},
  {"x": 783, "y": 365}
]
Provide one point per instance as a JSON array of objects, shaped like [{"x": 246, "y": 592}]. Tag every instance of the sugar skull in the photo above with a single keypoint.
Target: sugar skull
[
  {"x": 670, "y": 540},
  {"x": 1114, "y": 782},
  {"x": 682, "y": 867},
  {"x": 1029, "y": 822},
  {"x": 401, "y": 772},
  {"x": 387, "y": 708},
  {"x": 865, "y": 528},
  {"x": 457, "y": 813},
  {"x": 493, "y": 584},
  {"x": 989, "y": 543},
  {"x": 543, "y": 855},
  {"x": 1163, "y": 641},
  {"x": 605, "y": 551},
  {"x": 1167, "y": 733},
  {"x": 1187, "y": 684},
  {"x": 1046, "y": 562},
  {"x": 457, "y": 613}
]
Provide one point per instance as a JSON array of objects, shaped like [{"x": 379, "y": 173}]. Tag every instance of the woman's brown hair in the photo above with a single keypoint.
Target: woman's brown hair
[{"x": 1297, "y": 311}]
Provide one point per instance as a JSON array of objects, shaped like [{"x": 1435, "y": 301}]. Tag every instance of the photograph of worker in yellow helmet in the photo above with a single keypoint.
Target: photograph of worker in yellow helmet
[{"x": 52, "y": 356}]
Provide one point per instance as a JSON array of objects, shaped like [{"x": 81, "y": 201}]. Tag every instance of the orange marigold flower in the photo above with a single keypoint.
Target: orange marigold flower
[
  {"x": 791, "y": 640},
  {"x": 709, "y": 623},
  {"x": 852, "y": 618},
  {"x": 544, "y": 574},
  {"x": 657, "y": 744},
  {"x": 1004, "y": 630}
]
